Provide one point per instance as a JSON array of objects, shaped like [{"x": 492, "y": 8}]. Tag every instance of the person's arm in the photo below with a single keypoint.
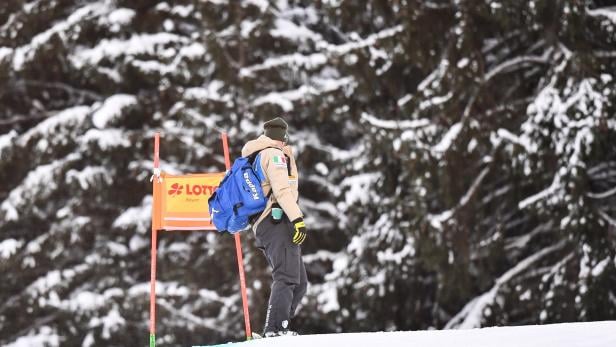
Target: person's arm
[{"x": 276, "y": 171}]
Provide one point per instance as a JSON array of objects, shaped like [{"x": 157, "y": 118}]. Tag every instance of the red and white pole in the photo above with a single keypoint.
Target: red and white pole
[
  {"x": 238, "y": 251},
  {"x": 153, "y": 250}
]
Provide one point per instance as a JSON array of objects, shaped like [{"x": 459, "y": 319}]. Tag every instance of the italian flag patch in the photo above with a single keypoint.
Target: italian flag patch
[{"x": 280, "y": 161}]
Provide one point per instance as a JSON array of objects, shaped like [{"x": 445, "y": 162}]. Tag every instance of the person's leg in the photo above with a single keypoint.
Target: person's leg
[
  {"x": 300, "y": 289},
  {"x": 283, "y": 257}
]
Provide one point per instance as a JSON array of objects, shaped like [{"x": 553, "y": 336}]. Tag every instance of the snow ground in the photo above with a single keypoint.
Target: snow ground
[{"x": 592, "y": 334}]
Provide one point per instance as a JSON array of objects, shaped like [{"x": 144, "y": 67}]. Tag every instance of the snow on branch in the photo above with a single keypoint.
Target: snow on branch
[
  {"x": 607, "y": 12},
  {"x": 602, "y": 195},
  {"x": 571, "y": 133},
  {"x": 106, "y": 139},
  {"x": 9, "y": 247},
  {"x": 137, "y": 44},
  {"x": 447, "y": 139},
  {"x": 517, "y": 62},
  {"x": 50, "y": 280},
  {"x": 473, "y": 189},
  {"x": 604, "y": 54},
  {"x": 326, "y": 296},
  {"x": 320, "y": 255},
  {"x": 82, "y": 301},
  {"x": 523, "y": 142},
  {"x": 315, "y": 60},
  {"x": 67, "y": 88},
  {"x": 607, "y": 218},
  {"x": 395, "y": 124},
  {"x": 6, "y": 140},
  {"x": 357, "y": 186},
  {"x": 70, "y": 117},
  {"x": 26, "y": 53},
  {"x": 435, "y": 76},
  {"x": 137, "y": 218},
  {"x": 521, "y": 241},
  {"x": 471, "y": 315},
  {"x": 437, "y": 220},
  {"x": 39, "y": 184},
  {"x": 169, "y": 291},
  {"x": 211, "y": 92},
  {"x": 307, "y": 61},
  {"x": 371, "y": 40},
  {"x": 90, "y": 176},
  {"x": 556, "y": 184},
  {"x": 436, "y": 5},
  {"x": 45, "y": 336},
  {"x": 405, "y": 100},
  {"x": 434, "y": 101},
  {"x": 210, "y": 323},
  {"x": 554, "y": 270},
  {"x": 309, "y": 139},
  {"x": 112, "y": 108},
  {"x": 285, "y": 28},
  {"x": 285, "y": 99},
  {"x": 5, "y": 52},
  {"x": 397, "y": 257},
  {"x": 431, "y": 80}
]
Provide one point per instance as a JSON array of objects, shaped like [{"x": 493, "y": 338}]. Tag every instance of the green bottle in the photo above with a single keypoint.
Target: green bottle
[{"x": 277, "y": 213}]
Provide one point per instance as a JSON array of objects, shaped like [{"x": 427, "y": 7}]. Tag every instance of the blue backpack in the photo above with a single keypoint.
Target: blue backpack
[{"x": 239, "y": 196}]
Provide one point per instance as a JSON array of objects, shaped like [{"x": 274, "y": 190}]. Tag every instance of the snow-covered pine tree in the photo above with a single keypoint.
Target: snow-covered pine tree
[
  {"x": 450, "y": 150},
  {"x": 86, "y": 86},
  {"x": 502, "y": 173}
]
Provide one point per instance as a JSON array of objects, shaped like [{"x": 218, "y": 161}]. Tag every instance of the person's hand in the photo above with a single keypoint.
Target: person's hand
[{"x": 299, "y": 235}]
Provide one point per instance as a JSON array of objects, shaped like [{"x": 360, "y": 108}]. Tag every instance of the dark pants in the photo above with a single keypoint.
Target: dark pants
[{"x": 288, "y": 272}]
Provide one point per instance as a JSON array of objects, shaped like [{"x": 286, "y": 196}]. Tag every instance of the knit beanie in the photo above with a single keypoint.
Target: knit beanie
[{"x": 276, "y": 129}]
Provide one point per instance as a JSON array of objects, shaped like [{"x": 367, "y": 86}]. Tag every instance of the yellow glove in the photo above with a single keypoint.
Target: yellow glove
[{"x": 300, "y": 231}]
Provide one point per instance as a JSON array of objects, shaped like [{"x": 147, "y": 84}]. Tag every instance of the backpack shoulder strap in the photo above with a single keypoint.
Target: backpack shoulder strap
[
  {"x": 253, "y": 156},
  {"x": 288, "y": 164}
]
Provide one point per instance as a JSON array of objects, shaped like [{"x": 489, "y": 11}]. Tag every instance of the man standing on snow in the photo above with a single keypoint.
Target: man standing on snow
[{"x": 280, "y": 229}]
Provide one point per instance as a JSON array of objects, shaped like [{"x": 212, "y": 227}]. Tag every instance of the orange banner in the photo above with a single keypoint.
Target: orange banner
[{"x": 181, "y": 201}]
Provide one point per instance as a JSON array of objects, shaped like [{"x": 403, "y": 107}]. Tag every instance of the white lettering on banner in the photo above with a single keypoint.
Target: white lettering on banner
[{"x": 195, "y": 189}]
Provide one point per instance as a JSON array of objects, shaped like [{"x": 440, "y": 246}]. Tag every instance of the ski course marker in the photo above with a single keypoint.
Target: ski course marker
[{"x": 180, "y": 202}]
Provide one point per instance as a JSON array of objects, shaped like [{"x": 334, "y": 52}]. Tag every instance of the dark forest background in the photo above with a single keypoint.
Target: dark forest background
[{"x": 457, "y": 161}]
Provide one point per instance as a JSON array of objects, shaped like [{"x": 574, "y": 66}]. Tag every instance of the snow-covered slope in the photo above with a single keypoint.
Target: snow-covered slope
[{"x": 593, "y": 334}]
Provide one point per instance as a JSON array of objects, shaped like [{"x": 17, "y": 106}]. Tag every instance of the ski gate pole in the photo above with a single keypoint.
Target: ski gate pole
[
  {"x": 153, "y": 251},
  {"x": 238, "y": 251}
]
